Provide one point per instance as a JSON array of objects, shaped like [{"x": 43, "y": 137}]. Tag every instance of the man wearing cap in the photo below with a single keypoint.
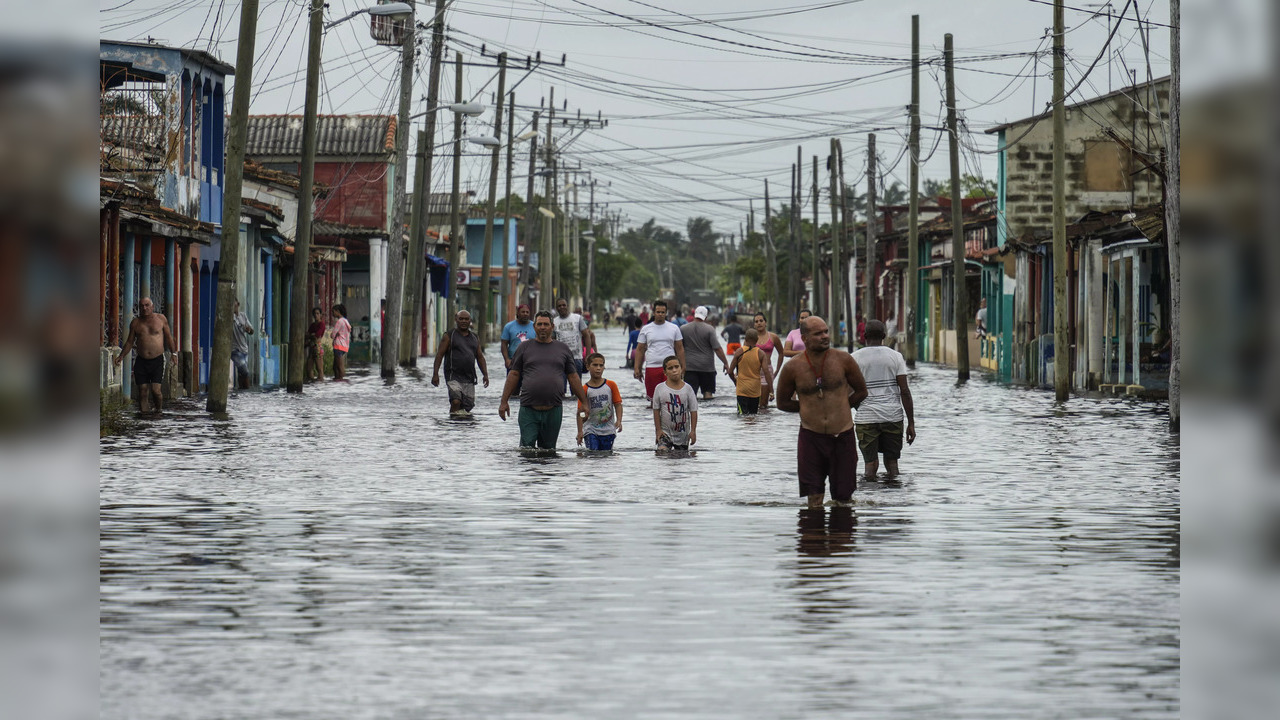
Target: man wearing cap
[
  {"x": 701, "y": 348},
  {"x": 516, "y": 332}
]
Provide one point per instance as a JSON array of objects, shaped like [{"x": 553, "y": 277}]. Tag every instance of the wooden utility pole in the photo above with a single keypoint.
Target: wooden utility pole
[
  {"x": 526, "y": 228},
  {"x": 869, "y": 265},
  {"x": 793, "y": 253},
  {"x": 797, "y": 245},
  {"x": 913, "y": 213},
  {"x": 486, "y": 255},
  {"x": 409, "y": 348},
  {"x": 771, "y": 258},
  {"x": 426, "y": 155},
  {"x": 850, "y": 258},
  {"x": 396, "y": 249},
  {"x": 959, "y": 294},
  {"x": 455, "y": 209},
  {"x": 229, "y": 260},
  {"x": 1172, "y": 213},
  {"x": 1061, "y": 333},
  {"x": 833, "y": 303},
  {"x": 299, "y": 294},
  {"x": 817, "y": 296},
  {"x": 550, "y": 261},
  {"x": 504, "y": 283}
]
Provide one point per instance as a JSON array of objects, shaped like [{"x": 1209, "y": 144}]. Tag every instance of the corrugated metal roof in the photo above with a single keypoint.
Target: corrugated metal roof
[{"x": 346, "y": 135}]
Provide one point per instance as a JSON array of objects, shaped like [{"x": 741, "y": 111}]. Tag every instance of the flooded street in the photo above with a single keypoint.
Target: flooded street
[{"x": 354, "y": 553}]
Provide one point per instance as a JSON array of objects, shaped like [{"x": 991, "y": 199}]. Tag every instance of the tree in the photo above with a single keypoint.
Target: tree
[{"x": 973, "y": 186}]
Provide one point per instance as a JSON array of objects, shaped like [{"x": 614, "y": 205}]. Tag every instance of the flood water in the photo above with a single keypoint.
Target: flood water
[{"x": 353, "y": 553}]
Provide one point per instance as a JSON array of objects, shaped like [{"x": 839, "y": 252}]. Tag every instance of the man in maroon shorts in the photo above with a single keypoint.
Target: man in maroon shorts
[{"x": 821, "y": 384}]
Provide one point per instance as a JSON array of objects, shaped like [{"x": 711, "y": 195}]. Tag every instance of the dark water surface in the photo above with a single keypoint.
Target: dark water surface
[{"x": 353, "y": 553}]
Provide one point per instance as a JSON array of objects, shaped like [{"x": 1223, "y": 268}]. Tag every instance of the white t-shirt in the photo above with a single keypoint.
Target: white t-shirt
[
  {"x": 569, "y": 331},
  {"x": 660, "y": 342},
  {"x": 675, "y": 411},
  {"x": 881, "y": 367}
]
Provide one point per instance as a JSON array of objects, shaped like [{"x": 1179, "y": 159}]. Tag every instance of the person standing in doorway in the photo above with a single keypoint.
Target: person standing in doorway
[
  {"x": 341, "y": 341},
  {"x": 822, "y": 384},
  {"x": 980, "y": 320},
  {"x": 150, "y": 332},
  {"x": 794, "y": 344},
  {"x": 460, "y": 352},
  {"x": 701, "y": 348},
  {"x": 315, "y": 350},
  {"x": 600, "y": 421},
  {"x": 540, "y": 369},
  {"x": 675, "y": 408},
  {"x": 240, "y": 327},
  {"x": 880, "y": 416},
  {"x": 656, "y": 341},
  {"x": 514, "y": 333},
  {"x": 572, "y": 330}
]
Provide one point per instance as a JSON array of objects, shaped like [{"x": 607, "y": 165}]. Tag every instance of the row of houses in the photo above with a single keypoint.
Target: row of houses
[
  {"x": 161, "y": 185},
  {"x": 1118, "y": 280}
]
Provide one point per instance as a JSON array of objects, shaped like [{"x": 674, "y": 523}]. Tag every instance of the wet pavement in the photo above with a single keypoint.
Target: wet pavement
[{"x": 354, "y": 553}]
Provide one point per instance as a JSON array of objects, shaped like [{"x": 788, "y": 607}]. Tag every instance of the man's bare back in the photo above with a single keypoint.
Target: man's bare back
[{"x": 822, "y": 383}]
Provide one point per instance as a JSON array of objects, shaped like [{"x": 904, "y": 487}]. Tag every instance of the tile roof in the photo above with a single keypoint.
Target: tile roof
[{"x": 281, "y": 135}]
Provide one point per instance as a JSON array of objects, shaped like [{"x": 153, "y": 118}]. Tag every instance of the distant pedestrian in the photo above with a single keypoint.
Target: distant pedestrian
[
  {"x": 794, "y": 344},
  {"x": 675, "y": 408},
  {"x": 571, "y": 329},
  {"x": 862, "y": 330},
  {"x": 315, "y": 350},
  {"x": 460, "y": 352},
  {"x": 980, "y": 320},
  {"x": 880, "y": 416},
  {"x": 644, "y": 316},
  {"x": 822, "y": 384},
  {"x": 768, "y": 342},
  {"x": 240, "y": 328},
  {"x": 633, "y": 339},
  {"x": 540, "y": 369},
  {"x": 341, "y": 341},
  {"x": 657, "y": 340},
  {"x": 600, "y": 420},
  {"x": 514, "y": 333},
  {"x": 150, "y": 332},
  {"x": 732, "y": 334},
  {"x": 747, "y": 371},
  {"x": 701, "y": 348}
]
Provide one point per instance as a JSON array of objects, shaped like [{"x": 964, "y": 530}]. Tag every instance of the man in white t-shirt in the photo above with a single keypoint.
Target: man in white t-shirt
[
  {"x": 879, "y": 420},
  {"x": 658, "y": 340},
  {"x": 571, "y": 329}
]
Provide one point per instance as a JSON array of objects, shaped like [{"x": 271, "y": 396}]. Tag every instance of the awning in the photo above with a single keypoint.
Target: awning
[{"x": 438, "y": 268}]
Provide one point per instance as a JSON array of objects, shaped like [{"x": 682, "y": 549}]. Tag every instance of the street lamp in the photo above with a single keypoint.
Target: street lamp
[{"x": 470, "y": 109}]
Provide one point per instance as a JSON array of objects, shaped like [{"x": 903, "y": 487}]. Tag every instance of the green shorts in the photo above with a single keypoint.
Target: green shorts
[
  {"x": 880, "y": 438},
  {"x": 540, "y": 428}
]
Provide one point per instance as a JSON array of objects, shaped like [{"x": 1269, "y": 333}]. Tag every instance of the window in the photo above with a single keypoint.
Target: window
[{"x": 1107, "y": 167}]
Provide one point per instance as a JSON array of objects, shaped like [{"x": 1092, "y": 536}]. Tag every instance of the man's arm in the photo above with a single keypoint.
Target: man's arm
[
  {"x": 785, "y": 393},
  {"x": 575, "y": 386},
  {"x": 724, "y": 360},
  {"x": 639, "y": 355},
  {"x": 484, "y": 366},
  {"x": 908, "y": 406},
  {"x": 588, "y": 339},
  {"x": 777, "y": 343},
  {"x": 503, "y": 342},
  {"x": 128, "y": 343},
  {"x": 853, "y": 376},
  {"x": 734, "y": 366},
  {"x": 169, "y": 341},
  {"x": 440, "y": 351},
  {"x": 577, "y": 414},
  {"x": 513, "y": 379}
]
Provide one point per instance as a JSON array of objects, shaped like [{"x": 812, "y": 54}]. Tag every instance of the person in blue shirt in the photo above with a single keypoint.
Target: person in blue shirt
[{"x": 516, "y": 332}]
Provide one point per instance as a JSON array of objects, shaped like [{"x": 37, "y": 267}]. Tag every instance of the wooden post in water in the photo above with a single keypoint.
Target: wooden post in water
[
  {"x": 959, "y": 294},
  {"x": 913, "y": 213}
]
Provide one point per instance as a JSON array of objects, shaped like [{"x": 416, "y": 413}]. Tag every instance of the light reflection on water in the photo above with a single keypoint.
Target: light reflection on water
[{"x": 354, "y": 553}]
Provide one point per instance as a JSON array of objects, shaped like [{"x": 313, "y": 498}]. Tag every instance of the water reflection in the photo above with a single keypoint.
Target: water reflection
[{"x": 823, "y": 533}]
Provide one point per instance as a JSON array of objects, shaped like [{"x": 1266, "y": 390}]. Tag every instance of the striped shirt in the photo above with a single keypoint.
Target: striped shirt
[{"x": 881, "y": 367}]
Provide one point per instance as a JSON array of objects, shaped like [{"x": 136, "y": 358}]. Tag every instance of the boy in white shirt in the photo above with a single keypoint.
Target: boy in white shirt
[
  {"x": 879, "y": 420},
  {"x": 675, "y": 409}
]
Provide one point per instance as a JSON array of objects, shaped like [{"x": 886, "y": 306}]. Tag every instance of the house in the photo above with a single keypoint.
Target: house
[
  {"x": 161, "y": 179},
  {"x": 473, "y": 263}
]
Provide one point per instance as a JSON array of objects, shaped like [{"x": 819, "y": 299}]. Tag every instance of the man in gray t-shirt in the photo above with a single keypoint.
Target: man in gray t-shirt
[
  {"x": 539, "y": 369},
  {"x": 701, "y": 348}
]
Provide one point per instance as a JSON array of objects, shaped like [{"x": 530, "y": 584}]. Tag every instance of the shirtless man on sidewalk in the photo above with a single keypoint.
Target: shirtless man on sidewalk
[
  {"x": 821, "y": 384},
  {"x": 150, "y": 332}
]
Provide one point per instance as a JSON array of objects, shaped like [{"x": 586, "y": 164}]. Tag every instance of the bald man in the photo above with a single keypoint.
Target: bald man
[{"x": 460, "y": 352}]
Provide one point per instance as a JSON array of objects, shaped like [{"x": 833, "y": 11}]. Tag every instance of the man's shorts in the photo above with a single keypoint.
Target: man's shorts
[
  {"x": 241, "y": 361},
  {"x": 748, "y": 405},
  {"x": 149, "y": 372},
  {"x": 703, "y": 381},
  {"x": 653, "y": 377},
  {"x": 820, "y": 457},
  {"x": 463, "y": 393},
  {"x": 599, "y": 442},
  {"x": 339, "y": 354},
  {"x": 540, "y": 428},
  {"x": 880, "y": 438},
  {"x": 732, "y": 349}
]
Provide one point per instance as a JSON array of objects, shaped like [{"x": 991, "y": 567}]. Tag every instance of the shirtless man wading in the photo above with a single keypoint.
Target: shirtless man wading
[
  {"x": 821, "y": 384},
  {"x": 150, "y": 331}
]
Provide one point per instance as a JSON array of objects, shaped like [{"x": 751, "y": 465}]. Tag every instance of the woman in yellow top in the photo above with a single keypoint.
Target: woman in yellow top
[{"x": 754, "y": 365}]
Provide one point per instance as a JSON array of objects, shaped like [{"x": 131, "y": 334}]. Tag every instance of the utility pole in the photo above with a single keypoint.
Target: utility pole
[
  {"x": 833, "y": 303},
  {"x": 1061, "y": 333},
  {"x": 299, "y": 295},
  {"x": 455, "y": 209},
  {"x": 486, "y": 261},
  {"x": 816, "y": 297},
  {"x": 426, "y": 156},
  {"x": 869, "y": 266},
  {"x": 848, "y": 292},
  {"x": 504, "y": 283},
  {"x": 229, "y": 261},
  {"x": 409, "y": 348},
  {"x": 1172, "y": 213},
  {"x": 551, "y": 256},
  {"x": 913, "y": 213},
  {"x": 396, "y": 247},
  {"x": 771, "y": 258},
  {"x": 589, "y": 293},
  {"x": 959, "y": 296},
  {"x": 527, "y": 226}
]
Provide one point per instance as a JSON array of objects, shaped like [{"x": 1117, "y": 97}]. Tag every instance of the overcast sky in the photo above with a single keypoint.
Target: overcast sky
[{"x": 705, "y": 98}]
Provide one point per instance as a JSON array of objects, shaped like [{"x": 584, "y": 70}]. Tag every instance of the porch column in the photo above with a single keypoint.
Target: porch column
[
  {"x": 186, "y": 269},
  {"x": 1135, "y": 286},
  {"x": 1097, "y": 329},
  {"x": 145, "y": 281},
  {"x": 1109, "y": 323},
  {"x": 129, "y": 246},
  {"x": 169, "y": 264},
  {"x": 377, "y": 293},
  {"x": 1122, "y": 330}
]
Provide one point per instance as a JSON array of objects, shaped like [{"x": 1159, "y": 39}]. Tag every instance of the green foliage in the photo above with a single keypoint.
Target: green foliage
[{"x": 972, "y": 186}]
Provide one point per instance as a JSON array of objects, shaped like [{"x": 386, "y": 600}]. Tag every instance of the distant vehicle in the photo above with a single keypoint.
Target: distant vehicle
[{"x": 633, "y": 303}]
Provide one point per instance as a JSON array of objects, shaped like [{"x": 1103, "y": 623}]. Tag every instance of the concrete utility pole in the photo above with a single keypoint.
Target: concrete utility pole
[
  {"x": 771, "y": 258},
  {"x": 913, "y": 213},
  {"x": 418, "y": 238},
  {"x": 395, "y": 246},
  {"x": 1061, "y": 333},
  {"x": 229, "y": 260},
  {"x": 1173, "y": 212},
  {"x": 797, "y": 282},
  {"x": 486, "y": 261},
  {"x": 869, "y": 266},
  {"x": 833, "y": 304},
  {"x": 550, "y": 261},
  {"x": 455, "y": 209},
  {"x": 849, "y": 292},
  {"x": 409, "y": 348},
  {"x": 299, "y": 295},
  {"x": 526, "y": 228},
  {"x": 504, "y": 283},
  {"x": 817, "y": 296},
  {"x": 959, "y": 296}
]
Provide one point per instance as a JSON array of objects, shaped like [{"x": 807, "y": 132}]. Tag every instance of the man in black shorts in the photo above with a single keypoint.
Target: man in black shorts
[
  {"x": 150, "y": 332},
  {"x": 701, "y": 348}
]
